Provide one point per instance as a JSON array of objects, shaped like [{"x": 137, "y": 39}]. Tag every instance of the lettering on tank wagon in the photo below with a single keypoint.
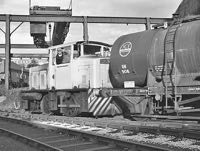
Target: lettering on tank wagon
[
  {"x": 125, "y": 49},
  {"x": 124, "y": 69}
]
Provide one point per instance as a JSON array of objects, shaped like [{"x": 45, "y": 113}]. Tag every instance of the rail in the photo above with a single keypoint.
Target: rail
[
  {"x": 26, "y": 140},
  {"x": 73, "y": 138}
]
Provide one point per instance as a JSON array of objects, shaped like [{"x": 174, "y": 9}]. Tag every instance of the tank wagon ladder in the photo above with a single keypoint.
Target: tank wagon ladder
[{"x": 169, "y": 69}]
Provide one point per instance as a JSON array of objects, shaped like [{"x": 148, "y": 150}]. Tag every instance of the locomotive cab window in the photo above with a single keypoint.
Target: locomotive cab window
[
  {"x": 91, "y": 49},
  {"x": 106, "y": 52},
  {"x": 76, "y": 52},
  {"x": 63, "y": 55}
]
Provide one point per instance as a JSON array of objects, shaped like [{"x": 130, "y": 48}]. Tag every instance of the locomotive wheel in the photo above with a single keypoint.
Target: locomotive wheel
[
  {"x": 44, "y": 104},
  {"x": 71, "y": 112}
]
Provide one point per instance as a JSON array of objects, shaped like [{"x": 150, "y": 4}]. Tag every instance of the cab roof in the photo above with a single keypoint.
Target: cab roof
[{"x": 81, "y": 42}]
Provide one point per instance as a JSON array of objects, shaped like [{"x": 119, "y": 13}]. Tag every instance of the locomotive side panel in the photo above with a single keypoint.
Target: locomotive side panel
[{"x": 38, "y": 77}]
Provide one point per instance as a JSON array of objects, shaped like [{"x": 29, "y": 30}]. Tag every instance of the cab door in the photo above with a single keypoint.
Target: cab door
[
  {"x": 84, "y": 73},
  {"x": 63, "y": 76},
  {"x": 51, "y": 70},
  {"x": 63, "y": 79}
]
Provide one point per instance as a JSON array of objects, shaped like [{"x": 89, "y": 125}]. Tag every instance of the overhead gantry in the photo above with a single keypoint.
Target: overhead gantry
[{"x": 7, "y": 18}]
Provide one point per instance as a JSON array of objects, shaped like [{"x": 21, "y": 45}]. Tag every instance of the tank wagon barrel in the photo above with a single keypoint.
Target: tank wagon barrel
[{"x": 165, "y": 61}]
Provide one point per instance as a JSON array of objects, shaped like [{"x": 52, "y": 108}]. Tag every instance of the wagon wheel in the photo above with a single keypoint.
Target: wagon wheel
[
  {"x": 44, "y": 104},
  {"x": 71, "y": 112}
]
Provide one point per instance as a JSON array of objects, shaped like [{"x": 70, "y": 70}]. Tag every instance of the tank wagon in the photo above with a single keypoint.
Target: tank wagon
[
  {"x": 163, "y": 63},
  {"x": 68, "y": 84}
]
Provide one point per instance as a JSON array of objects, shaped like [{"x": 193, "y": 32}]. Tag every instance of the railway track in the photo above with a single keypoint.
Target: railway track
[
  {"x": 26, "y": 140},
  {"x": 179, "y": 129},
  {"x": 107, "y": 134},
  {"x": 61, "y": 139}
]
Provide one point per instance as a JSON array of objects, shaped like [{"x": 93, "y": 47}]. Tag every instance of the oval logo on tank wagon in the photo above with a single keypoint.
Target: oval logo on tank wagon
[{"x": 125, "y": 49}]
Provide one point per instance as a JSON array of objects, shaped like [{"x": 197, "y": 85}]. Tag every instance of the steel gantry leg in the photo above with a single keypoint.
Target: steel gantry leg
[
  {"x": 148, "y": 24},
  {"x": 85, "y": 29},
  {"x": 7, "y": 52}
]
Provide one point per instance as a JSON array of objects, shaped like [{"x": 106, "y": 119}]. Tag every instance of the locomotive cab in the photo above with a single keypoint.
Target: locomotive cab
[{"x": 79, "y": 65}]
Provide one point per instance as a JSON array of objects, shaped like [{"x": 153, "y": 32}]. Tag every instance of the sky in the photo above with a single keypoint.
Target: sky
[{"x": 100, "y": 32}]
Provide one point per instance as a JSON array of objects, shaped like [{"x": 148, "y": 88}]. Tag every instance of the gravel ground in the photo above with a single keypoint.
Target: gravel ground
[
  {"x": 8, "y": 144},
  {"x": 159, "y": 140}
]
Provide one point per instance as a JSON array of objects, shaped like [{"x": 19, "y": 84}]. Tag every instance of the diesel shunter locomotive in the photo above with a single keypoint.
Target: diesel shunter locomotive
[{"x": 68, "y": 84}]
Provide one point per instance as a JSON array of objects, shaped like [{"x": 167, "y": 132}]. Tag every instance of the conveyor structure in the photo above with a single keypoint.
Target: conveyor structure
[{"x": 38, "y": 29}]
